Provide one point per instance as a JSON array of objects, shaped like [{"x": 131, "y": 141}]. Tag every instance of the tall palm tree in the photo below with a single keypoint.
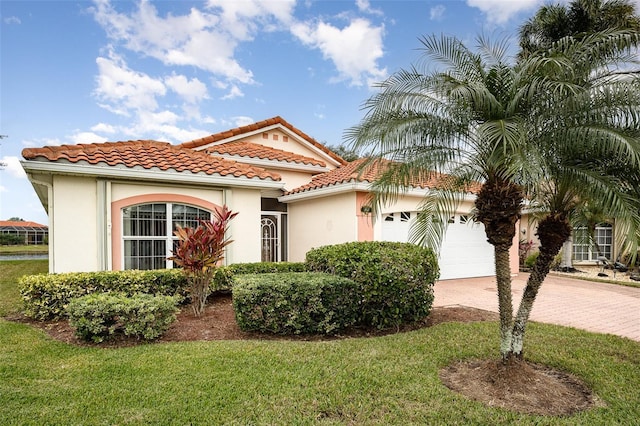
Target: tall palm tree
[{"x": 480, "y": 119}]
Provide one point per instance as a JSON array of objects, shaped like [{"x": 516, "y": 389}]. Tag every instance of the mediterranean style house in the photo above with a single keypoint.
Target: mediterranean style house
[{"x": 114, "y": 205}]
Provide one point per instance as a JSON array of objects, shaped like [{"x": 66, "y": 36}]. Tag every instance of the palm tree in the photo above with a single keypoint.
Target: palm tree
[
  {"x": 578, "y": 18},
  {"x": 601, "y": 121},
  {"x": 481, "y": 119}
]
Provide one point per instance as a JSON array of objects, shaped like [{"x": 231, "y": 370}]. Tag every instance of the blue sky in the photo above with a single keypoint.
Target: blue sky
[{"x": 94, "y": 71}]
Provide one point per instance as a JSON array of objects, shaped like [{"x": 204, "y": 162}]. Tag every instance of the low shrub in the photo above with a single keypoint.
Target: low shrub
[
  {"x": 99, "y": 316},
  {"x": 267, "y": 267},
  {"x": 46, "y": 296},
  {"x": 294, "y": 303},
  {"x": 222, "y": 279},
  {"x": 395, "y": 279}
]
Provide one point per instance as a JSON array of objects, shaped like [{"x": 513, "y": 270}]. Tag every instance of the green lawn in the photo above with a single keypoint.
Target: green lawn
[
  {"x": 20, "y": 249},
  {"x": 385, "y": 380},
  {"x": 10, "y": 271}
]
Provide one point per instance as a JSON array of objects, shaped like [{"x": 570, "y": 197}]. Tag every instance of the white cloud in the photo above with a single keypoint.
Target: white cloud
[
  {"x": 86, "y": 138},
  {"x": 3, "y": 188},
  {"x": 243, "y": 18},
  {"x": 121, "y": 89},
  {"x": 437, "y": 13},
  {"x": 192, "y": 91},
  {"x": 234, "y": 92},
  {"x": 104, "y": 128},
  {"x": 205, "y": 40},
  {"x": 365, "y": 6},
  {"x": 13, "y": 167},
  {"x": 354, "y": 49},
  {"x": 161, "y": 126},
  {"x": 500, "y": 11},
  {"x": 242, "y": 120},
  {"x": 12, "y": 20}
]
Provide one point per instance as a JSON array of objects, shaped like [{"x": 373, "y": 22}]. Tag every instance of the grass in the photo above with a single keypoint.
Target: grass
[
  {"x": 10, "y": 271},
  {"x": 385, "y": 380},
  {"x": 22, "y": 249}
]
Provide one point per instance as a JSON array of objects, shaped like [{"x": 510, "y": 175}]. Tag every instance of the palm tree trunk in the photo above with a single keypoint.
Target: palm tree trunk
[
  {"x": 505, "y": 305},
  {"x": 537, "y": 276},
  {"x": 553, "y": 231}
]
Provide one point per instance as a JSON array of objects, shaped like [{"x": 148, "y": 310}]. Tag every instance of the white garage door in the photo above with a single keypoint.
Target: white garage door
[{"x": 465, "y": 252}]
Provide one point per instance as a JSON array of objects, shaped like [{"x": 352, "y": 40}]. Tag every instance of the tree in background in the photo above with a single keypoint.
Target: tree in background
[
  {"x": 347, "y": 153},
  {"x": 578, "y": 18},
  {"x": 199, "y": 252}
]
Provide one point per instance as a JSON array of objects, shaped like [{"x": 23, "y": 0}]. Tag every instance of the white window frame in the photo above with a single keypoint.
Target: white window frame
[
  {"x": 169, "y": 238},
  {"x": 606, "y": 246}
]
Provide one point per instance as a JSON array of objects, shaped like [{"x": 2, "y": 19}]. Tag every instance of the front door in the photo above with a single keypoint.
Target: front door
[
  {"x": 273, "y": 234},
  {"x": 269, "y": 232}
]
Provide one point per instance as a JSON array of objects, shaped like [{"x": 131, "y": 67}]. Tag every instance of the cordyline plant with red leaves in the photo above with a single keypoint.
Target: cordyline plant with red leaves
[{"x": 199, "y": 252}]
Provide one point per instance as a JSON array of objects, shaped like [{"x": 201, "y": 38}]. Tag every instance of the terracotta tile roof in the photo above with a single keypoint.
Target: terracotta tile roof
[
  {"x": 20, "y": 224},
  {"x": 148, "y": 154},
  {"x": 351, "y": 173},
  {"x": 254, "y": 150},
  {"x": 257, "y": 126}
]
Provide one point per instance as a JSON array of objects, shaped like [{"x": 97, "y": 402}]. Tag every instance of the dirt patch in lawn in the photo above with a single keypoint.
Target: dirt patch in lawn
[
  {"x": 529, "y": 388},
  {"x": 519, "y": 386}
]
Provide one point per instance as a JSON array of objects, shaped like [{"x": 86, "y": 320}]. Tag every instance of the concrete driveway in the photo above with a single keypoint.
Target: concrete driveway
[{"x": 587, "y": 305}]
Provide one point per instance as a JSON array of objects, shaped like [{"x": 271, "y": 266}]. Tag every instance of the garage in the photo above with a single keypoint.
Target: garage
[{"x": 465, "y": 252}]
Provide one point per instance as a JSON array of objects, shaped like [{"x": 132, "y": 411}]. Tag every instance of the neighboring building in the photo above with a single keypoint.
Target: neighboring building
[
  {"x": 28, "y": 232},
  {"x": 114, "y": 206}
]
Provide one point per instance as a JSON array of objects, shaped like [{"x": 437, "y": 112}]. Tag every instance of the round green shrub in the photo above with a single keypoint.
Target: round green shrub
[
  {"x": 294, "y": 302},
  {"x": 395, "y": 280},
  {"x": 99, "y": 316}
]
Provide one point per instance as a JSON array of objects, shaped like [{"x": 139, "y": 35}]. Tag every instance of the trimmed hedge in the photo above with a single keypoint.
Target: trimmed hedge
[
  {"x": 99, "y": 316},
  {"x": 267, "y": 267},
  {"x": 46, "y": 296},
  {"x": 395, "y": 279},
  {"x": 294, "y": 303},
  {"x": 222, "y": 279}
]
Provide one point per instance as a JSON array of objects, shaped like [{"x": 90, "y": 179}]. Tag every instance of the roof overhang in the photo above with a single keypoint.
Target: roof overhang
[
  {"x": 351, "y": 186},
  {"x": 275, "y": 164},
  {"x": 141, "y": 174}
]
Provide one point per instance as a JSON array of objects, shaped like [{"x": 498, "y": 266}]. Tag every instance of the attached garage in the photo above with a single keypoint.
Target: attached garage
[{"x": 465, "y": 252}]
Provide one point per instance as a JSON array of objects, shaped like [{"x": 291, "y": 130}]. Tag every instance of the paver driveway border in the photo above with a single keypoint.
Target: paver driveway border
[{"x": 587, "y": 305}]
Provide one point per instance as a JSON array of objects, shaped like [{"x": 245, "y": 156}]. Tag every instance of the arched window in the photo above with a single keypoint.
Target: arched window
[{"x": 148, "y": 232}]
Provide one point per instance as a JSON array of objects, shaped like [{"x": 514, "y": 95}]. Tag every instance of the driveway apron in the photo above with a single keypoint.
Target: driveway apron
[{"x": 587, "y": 305}]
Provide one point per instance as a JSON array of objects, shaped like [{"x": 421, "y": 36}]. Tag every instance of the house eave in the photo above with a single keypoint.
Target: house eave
[
  {"x": 351, "y": 186},
  {"x": 31, "y": 166},
  {"x": 276, "y": 164}
]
